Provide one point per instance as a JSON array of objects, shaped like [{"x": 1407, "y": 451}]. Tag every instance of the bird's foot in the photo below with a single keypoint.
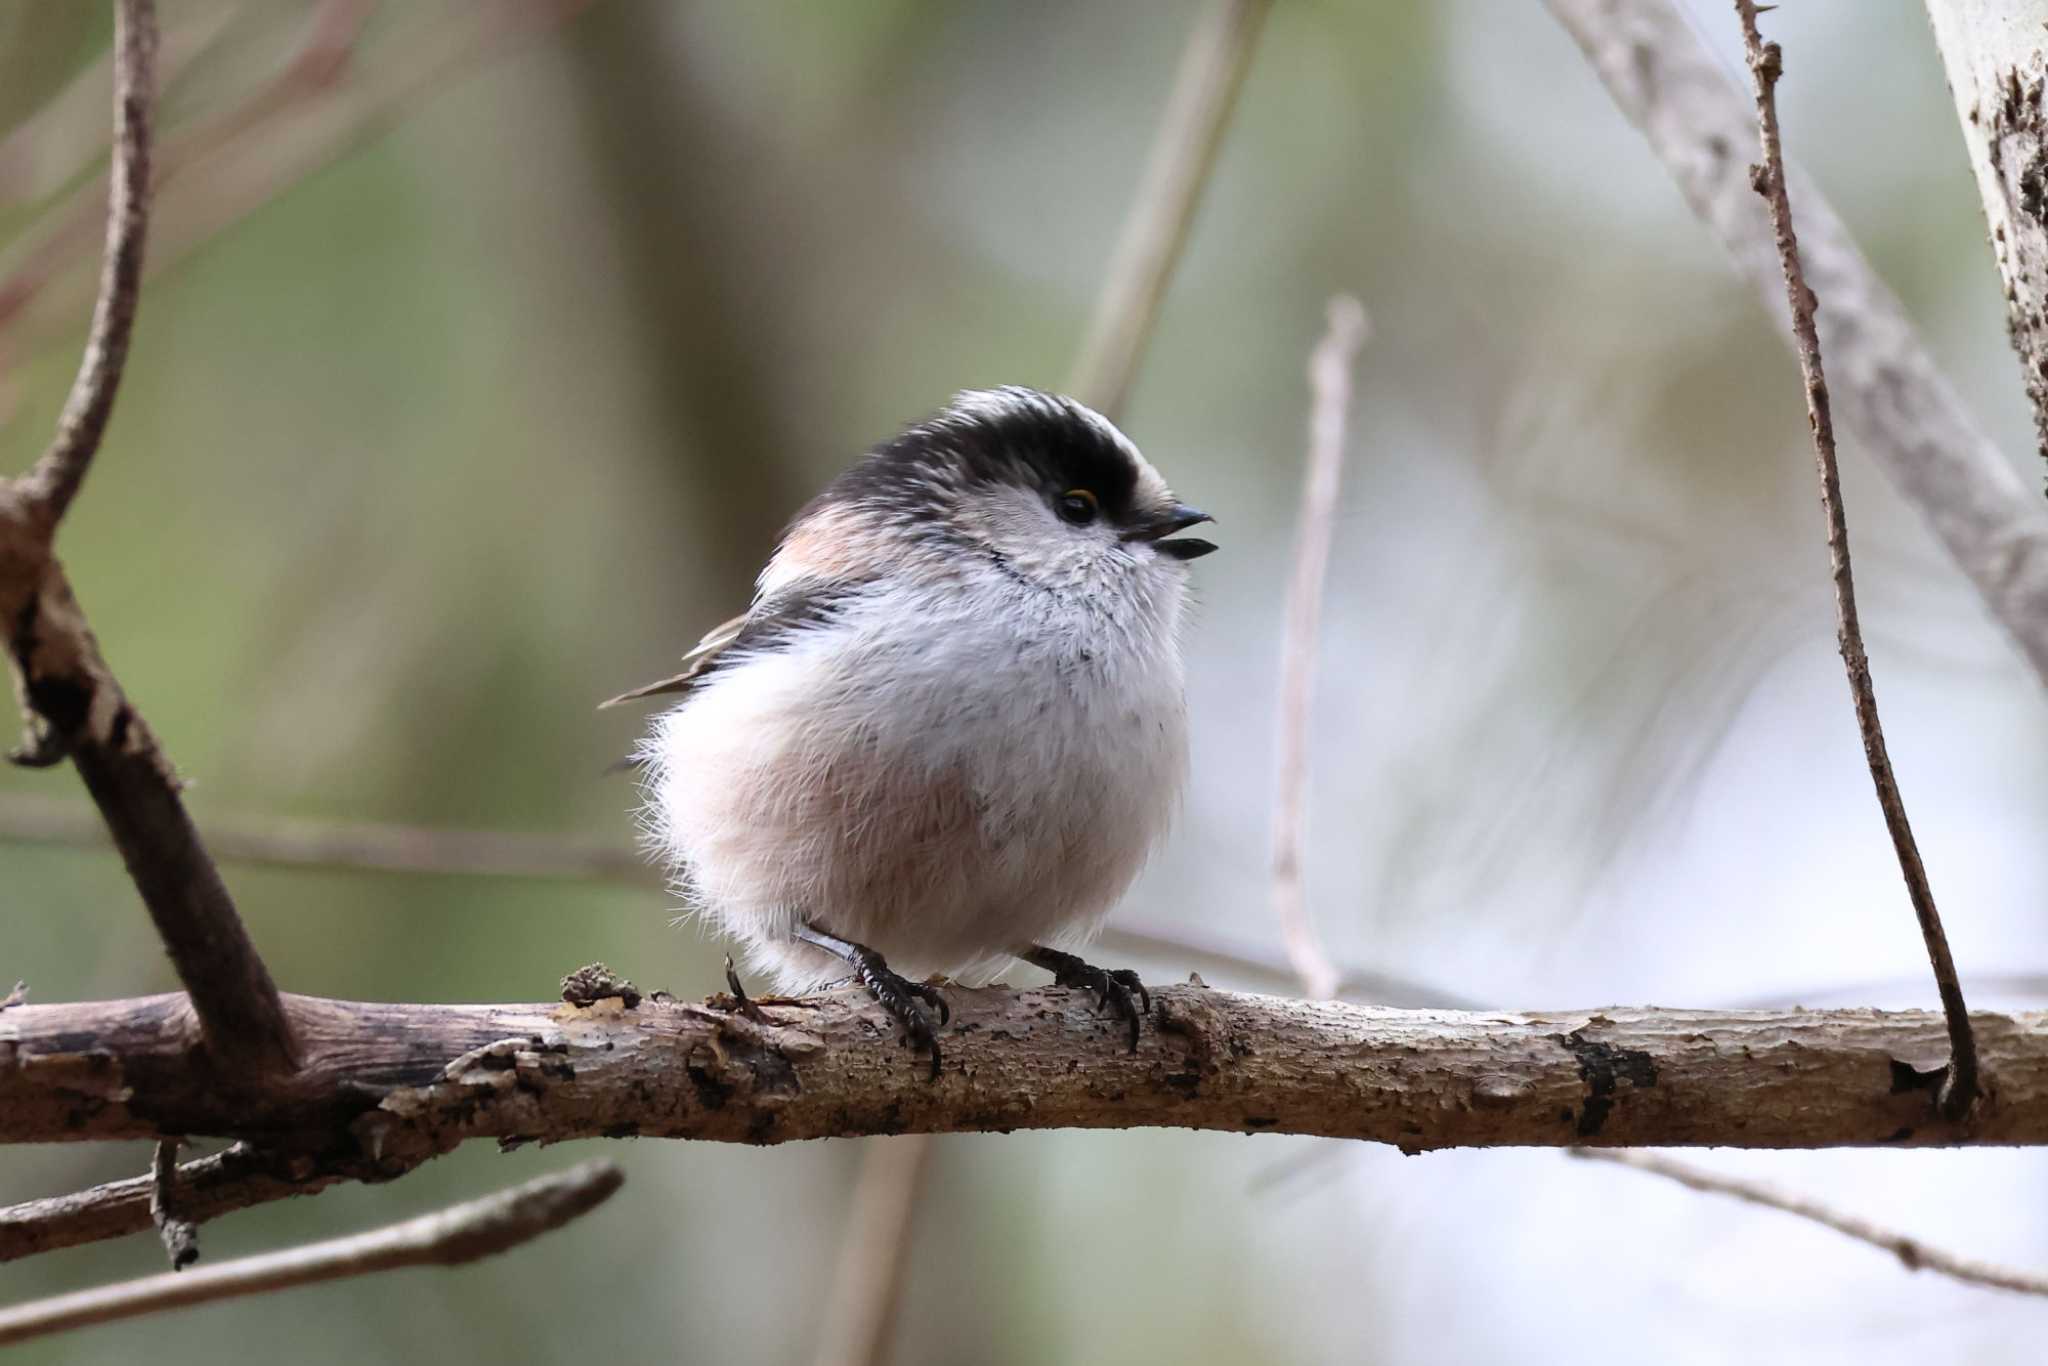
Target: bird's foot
[
  {"x": 905, "y": 1000},
  {"x": 1113, "y": 987}
]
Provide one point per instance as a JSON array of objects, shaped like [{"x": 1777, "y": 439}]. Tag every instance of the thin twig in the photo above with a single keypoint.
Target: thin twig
[
  {"x": 304, "y": 117},
  {"x": 236, "y": 1178},
  {"x": 383, "y": 848},
  {"x": 354, "y": 846},
  {"x": 450, "y": 1237},
  {"x": 1766, "y": 64},
  {"x": 1329, "y": 375},
  {"x": 1212, "y": 71},
  {"x": 1891, "y": 395},
  {"x": 180, "y": 1238},
  {"x": 1914, "y": 1254},
  {"x": 49, "y": 487},
  {"x": 874, "y": 1254},
  {"x": 73, "y": 705}
]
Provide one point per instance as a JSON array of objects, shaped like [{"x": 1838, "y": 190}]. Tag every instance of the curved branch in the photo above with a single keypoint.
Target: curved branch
[{"x": 49, "y": 487}]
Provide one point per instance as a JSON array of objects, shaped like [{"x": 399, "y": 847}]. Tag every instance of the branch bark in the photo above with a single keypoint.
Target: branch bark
[
  {"x": 386, "y": 1086},
  {"x": 1992, "y": 50},
  {"x": 1893, "y": 398}
]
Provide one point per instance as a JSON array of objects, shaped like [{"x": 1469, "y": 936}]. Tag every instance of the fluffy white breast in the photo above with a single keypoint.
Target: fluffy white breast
[{"x": 944, "y": 776}]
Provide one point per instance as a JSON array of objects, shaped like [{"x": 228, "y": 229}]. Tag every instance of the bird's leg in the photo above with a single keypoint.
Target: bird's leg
[
  {"x": 895, "y": 993},
  {"x": 1113, "y": 987}
]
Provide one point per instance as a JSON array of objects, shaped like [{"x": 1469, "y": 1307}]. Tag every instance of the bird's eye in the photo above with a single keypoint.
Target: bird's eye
[{"x": 1077, "y": 506}]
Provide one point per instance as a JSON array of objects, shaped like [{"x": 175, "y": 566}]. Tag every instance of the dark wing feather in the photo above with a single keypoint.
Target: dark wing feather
[
  {"x": 769, "y": 625},
  {"x": 700, "y": 661}
]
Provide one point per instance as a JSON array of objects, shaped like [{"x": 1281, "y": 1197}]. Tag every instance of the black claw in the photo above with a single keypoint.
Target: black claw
[
  {"x": 744, "y": 1002},
  {"x": 931, "y": 996},
  {"x": 1113, "y": 988},
  {"x": 1128, "y": 980},
  {"x": 904, "y": 999}
]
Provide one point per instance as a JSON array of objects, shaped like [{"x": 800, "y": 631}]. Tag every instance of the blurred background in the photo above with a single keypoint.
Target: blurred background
[{"x": 488, "y": 345}]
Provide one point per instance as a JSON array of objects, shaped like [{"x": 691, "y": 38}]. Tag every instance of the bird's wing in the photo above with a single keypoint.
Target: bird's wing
[
  {"x": 698, "y": 662},
  {"x": 769, "y": 625}
]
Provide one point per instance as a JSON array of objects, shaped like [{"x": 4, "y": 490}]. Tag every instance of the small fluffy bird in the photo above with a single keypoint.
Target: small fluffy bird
[{"x": 952, "y": 724}]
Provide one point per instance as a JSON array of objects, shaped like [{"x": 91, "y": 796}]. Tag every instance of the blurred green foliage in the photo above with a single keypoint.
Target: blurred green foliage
[{"x": 429, "y": 444}]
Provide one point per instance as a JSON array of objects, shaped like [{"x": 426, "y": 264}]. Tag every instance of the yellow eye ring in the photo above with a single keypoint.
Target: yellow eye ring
[{"x": 1077, "y": 507}]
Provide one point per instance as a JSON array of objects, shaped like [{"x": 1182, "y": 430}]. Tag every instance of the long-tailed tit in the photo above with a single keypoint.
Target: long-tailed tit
[{"x": 951, "y": 726}]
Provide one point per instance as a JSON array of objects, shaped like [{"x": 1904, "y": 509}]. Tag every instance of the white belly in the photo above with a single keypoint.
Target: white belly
[{"x": 941, "y": 791}]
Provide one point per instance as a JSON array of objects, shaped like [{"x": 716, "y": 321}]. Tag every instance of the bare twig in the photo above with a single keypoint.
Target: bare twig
[
  {"x": 1892, "y": 396},
  {"x": 1329, "y": 374},
  {"x": 368, "y": 847},
  {"x": 350, "y": 846},
  {"x": 1915, "y": 1255},
  {"x": 73, "y": 704},
  {"x": 49, "y": 487},
  {"x": 450, "y": 1237},
  {"x": 1960, "y": 1091},
  {"x": 867, "y": 1288},
  {"x": 1212, "y": 70},
  {"x": 304, "y": 117},
  {"x": 180, "y": 1238},
  {"x": 238, "y": 1177}
]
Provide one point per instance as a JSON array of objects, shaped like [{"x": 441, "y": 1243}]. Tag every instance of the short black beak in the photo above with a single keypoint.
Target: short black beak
[{"x": 1179, "y": 517}]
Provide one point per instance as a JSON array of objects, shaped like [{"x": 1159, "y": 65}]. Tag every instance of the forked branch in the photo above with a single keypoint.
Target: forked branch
[{"x": 72, "y": 704}]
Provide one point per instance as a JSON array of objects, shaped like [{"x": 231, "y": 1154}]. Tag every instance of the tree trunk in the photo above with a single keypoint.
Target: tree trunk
[{"x": 1992, "y": 50}]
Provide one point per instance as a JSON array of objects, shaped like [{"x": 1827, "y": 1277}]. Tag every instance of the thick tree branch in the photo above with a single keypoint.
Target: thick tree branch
[
  {"x": 389, "y": 1085},
  {"x": 1993, "y": 51},
  {"x": 1893, "y": 397},
  {"x": 1911, "y": 1252},
  {"x": 450, "y": 1237},
  {"x": 1766, "y": 64},
  {"x": 74, "y": 706}
]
